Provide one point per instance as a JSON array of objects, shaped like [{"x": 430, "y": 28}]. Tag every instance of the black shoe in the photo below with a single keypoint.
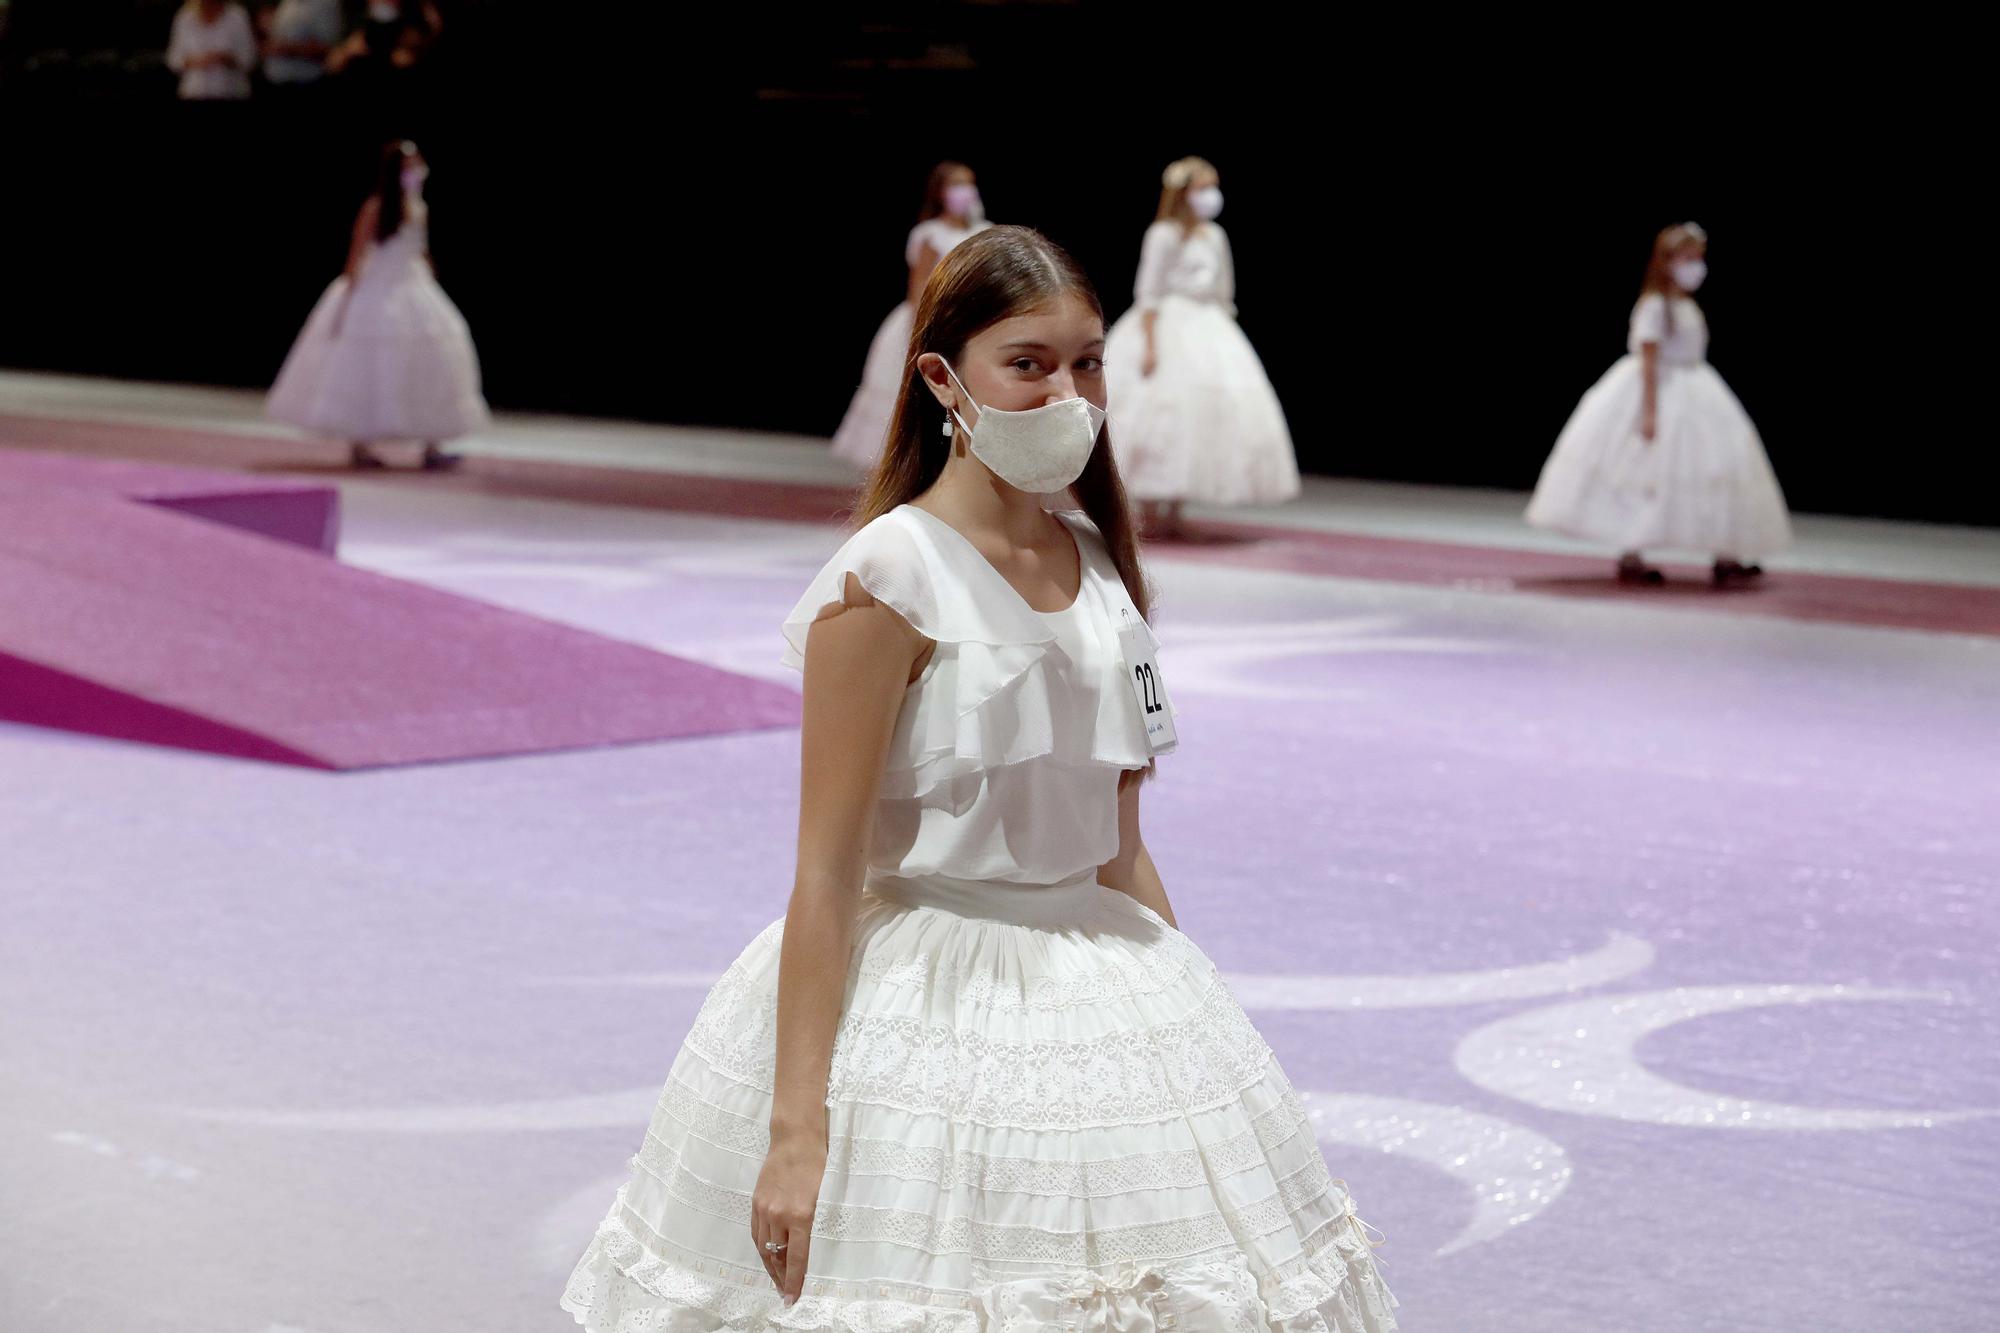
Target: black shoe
[
  {"x": 1726, "y": 572},
  {"x": 1638, "y": 571},
  {"x": 437, "y": 460},
  {"x": 359, "y": 457}
]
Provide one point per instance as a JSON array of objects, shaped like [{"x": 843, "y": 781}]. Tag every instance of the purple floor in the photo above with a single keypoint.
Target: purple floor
[
  {"x": 1639, "y": 961},
  {"x": 128, "y": 620}
]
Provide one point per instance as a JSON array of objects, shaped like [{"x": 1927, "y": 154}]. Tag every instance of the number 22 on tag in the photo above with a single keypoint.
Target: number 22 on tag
[{"x": 1147, "y": 685}]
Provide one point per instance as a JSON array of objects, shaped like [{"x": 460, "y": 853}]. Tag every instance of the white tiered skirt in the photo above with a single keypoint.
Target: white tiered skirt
[
  {"x": 386, "y": 358},
  {"x": 865, "y": 428},
  {"x": 1702, "y": 483},
  {"x": 1045, "y": 1110},
  {"x": 1206, "y": 425}
]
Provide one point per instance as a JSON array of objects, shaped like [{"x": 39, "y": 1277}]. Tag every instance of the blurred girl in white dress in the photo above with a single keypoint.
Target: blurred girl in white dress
[
  {"x": 952, "y": 211},
  {"x": 1197, "y": 418},
  {"x": 1659, "y": 453},
  {"x": 385, "y": 355}
]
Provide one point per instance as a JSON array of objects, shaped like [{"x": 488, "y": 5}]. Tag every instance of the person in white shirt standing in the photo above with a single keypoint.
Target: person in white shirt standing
[{"x": 213, "y": 50}]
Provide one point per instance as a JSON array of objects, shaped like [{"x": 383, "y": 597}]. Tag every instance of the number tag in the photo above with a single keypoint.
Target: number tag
[{"x": 1143, "y": 674}]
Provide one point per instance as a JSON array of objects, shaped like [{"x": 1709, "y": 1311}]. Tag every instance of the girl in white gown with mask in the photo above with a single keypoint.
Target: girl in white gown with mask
[
  {"x": 975, "y": 1079},
  {"x": 952, "y": 212},
  {"x": 1659, "y": 453},
  {"x": 385, "y": 355},
  {"x": 1197, "y": 418}
]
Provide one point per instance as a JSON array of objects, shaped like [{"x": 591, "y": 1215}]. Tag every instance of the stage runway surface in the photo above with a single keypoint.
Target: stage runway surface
[{"x": 1634, "y": 948}]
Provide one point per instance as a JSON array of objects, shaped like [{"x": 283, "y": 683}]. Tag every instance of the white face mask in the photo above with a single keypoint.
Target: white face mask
[
  {"x": 1041, "y": 449},
  {"x": 1206, "y": 203},
  {"x": 962, "y": 200},
  {"x": 1688, "y": 273},
  {"x": 413, "y": 179}
]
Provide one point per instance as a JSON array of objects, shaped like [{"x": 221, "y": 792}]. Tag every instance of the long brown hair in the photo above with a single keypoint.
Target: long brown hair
[
  {"x": 1659, "y": 270},
  {"x": 934, "y": 189},
  {"x": 389, "y": 187},
  {"x": 998, "y": 274}
]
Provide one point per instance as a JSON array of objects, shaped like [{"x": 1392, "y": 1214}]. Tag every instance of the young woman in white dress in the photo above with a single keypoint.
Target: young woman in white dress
[
  {"x": 975, "y": 1078},
  {"x": 1196, "y": 415},
  {"x": 385, "y": 355},
  {"x": 1659, "y": 453},
  {"x": 952, "y": 211}
]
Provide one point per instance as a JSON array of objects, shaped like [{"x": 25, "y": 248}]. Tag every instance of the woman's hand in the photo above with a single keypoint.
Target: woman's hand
[{"x": 782, "y": 1207}]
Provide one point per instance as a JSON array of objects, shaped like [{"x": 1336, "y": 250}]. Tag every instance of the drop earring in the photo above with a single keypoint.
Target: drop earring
[{"x": 947, "y": 427}]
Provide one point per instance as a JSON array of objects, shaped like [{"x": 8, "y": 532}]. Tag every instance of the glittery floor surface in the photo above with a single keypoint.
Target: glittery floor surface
[{"x": 1638, "y": 963}]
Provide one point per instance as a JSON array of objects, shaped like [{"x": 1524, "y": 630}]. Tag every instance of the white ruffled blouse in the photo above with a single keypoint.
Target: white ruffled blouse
[{"x": 1005, "y": 761}]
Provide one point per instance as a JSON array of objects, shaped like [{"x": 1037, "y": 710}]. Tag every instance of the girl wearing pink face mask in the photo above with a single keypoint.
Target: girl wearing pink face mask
[
  {"x": 385, "y": 355},
  {"x": 952, "y": 212},
  {"x": 1660, "y": 453},
  {"x": 1196, "y": 416}
]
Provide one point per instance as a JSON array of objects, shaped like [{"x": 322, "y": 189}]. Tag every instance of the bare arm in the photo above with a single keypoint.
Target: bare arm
[
  {"x": 1225, "y": 288},
  {"x": 1649, "y": 369},
  {"x": 1132, "y": 871},
  {"x": 354, "y": 47},
  {"x": 857, "y": 667},
  {"x": 408, "y": 52},
  {"x": 357, "y": 254},
  {"x": 858, "y": 663},
  {"x": 363, "y": 236},
  {"x": 1155, "y": 255}
]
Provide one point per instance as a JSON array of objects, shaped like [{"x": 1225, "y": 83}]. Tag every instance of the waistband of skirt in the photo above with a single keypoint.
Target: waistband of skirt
[{"x": 994, "y": 899}]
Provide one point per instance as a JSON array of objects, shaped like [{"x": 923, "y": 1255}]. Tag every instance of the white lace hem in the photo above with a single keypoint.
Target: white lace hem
[{"x": 624, "y": 1285}]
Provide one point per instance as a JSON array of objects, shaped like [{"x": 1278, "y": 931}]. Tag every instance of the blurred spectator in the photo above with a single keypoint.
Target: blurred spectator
[
  {"x": 212, "y": 49},
  {"x": 393, "y": 37},
  {"x": 384, "y": 66},
  {"x": 299, "y": 36}
]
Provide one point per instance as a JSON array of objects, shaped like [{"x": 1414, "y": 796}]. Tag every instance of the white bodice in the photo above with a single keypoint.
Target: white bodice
[
  {"x": 1685, "y": 344},
  {"x": 941, "y": 234},
  {"x": 1006, "y": 755},
  {"x": 407, "y": 246},
  {"x": 1196, "y": 266}
]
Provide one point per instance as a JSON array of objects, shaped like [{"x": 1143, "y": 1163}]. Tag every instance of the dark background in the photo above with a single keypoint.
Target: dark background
[{"x": 697, "y": 215}]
